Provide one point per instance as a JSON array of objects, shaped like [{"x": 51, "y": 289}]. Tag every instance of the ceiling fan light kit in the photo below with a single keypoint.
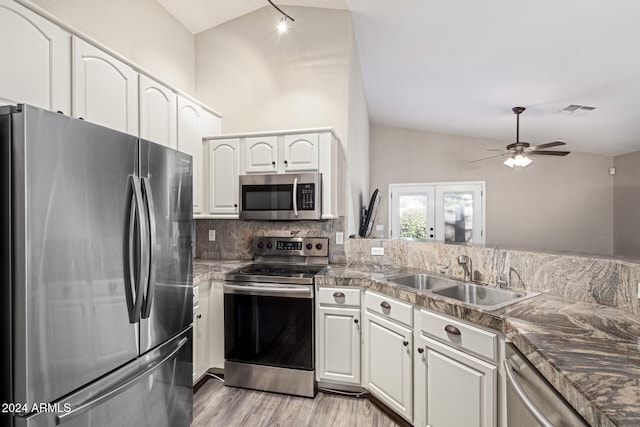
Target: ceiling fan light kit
[{"x": 518, "y": 152}]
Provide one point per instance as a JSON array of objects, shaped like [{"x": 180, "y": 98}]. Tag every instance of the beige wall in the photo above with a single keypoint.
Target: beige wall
[
  {"x": 563, "y": 203},
  {"x": 358, "y": 137},
  {"x": 262, "y": 80},
  {"x": 140, "y": 30},
  {"x": 627, "y": 204},
  {"x": 309, "y": 77}
]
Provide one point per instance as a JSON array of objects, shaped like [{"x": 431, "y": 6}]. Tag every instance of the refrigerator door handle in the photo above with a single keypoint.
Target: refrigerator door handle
[
  {"x": 132, "y": 283},
  {"x": 83, "y": 407},
  {"x": 151, "y": 285}
]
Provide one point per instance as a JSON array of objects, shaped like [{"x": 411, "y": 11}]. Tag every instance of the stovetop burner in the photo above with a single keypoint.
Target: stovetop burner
[{"x": 293, "y": 260}]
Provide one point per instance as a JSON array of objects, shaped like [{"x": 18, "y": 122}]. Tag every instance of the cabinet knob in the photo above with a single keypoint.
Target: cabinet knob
[
  {"x": 405, "y": 343},
  {"x": 338, "y": 295},
  {"x": 420, "y": 350},
  {"x": 450, "y": 329},
  {"x": 286, "y": 163},
  {"x": 199, "y": 316},
  {"x": 235, "y": 205},
  {"x": 355, "y": 321},
  {"x": 385, "y": 305},
  {"x": 273, "y": 162}
]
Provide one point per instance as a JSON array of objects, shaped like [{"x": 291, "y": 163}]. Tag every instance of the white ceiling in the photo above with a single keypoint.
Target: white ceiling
[{"x": 459, "y": 66}]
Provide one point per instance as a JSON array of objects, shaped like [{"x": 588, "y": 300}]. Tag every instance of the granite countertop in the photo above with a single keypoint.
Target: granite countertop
[{"x": 589, "y": 353}]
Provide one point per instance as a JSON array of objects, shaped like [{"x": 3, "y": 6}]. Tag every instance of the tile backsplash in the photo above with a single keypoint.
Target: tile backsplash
[
  {"x": 608, "y": 281},
  {"x": 234, "y": 237}
]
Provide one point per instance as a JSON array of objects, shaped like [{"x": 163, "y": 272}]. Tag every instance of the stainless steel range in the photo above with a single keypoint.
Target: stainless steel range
[{"x": 269, "y": 316}]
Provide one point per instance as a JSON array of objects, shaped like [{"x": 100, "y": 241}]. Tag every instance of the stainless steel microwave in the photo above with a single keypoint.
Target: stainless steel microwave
[{"x": 290, "y": 196}]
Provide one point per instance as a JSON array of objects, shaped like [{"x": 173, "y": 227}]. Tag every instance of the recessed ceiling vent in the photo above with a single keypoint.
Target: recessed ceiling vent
[{"x": 575, "y": 108}]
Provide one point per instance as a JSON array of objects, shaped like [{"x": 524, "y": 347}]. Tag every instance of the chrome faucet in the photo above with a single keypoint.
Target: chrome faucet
[{"x": 467, "y": 266}]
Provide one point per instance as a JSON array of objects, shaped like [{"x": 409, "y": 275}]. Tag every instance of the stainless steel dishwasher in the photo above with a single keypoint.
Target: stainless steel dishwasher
[{"x": 531, "y": 400}]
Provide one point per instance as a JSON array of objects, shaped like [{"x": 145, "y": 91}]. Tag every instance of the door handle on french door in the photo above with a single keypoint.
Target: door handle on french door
[
  {"x": 132, "y": 281},
  {"x": 151, "y": 285}
]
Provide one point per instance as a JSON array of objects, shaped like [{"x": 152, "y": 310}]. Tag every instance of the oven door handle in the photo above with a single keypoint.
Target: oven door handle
[{"x": 271, "y": 291}]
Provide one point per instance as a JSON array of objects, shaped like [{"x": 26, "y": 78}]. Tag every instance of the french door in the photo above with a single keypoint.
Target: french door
[{"x": 450, "y": 212}]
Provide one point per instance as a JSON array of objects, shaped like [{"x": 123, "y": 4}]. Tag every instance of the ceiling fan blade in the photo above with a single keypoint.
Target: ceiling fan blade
[
  {"x": 547, "y": 153},
  {"x": 487, "y": 158},
  {"x": 495, "y": 149},
  {"x": 547, "y": 145}
]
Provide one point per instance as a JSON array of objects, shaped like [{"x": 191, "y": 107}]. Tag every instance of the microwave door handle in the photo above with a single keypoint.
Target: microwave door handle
[{"x": 295, "y": 196}]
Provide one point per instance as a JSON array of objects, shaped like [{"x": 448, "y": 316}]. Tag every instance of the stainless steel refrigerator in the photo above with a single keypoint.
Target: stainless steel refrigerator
[{"x": 96, "y": 285}]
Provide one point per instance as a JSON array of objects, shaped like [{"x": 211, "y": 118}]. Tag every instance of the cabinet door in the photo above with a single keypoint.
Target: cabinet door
[
  {"x": 36, "y": 60},
  {"x": 300, "y": 152},
  {"x": 388, "y": 363},
  {"x": 105, "y": 90},
  {"x": 198, "y": 343},
  {"x": 190, "y": 118},
  {"x": 158, "y": 113},
  {"x": 261, "y": 154},
  {"x": 453, "y": 388},
  {"x": 223, "y": 176},
  {"x": 339, "y": 344}
]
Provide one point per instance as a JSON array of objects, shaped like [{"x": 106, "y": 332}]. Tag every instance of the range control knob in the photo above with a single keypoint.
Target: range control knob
[
  {"x": 269, "y": 245},
  {"x": 309, "y": 246},
  {"x": 319, "y": 246},
  {"x": 260, "y": 245}
]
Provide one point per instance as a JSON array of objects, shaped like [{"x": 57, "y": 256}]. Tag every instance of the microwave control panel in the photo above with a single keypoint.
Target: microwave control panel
[{"x": 306, "y": 197}]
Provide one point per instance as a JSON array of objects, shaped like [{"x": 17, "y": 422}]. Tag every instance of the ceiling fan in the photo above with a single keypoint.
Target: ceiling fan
[{"x": 518, "y": 152}]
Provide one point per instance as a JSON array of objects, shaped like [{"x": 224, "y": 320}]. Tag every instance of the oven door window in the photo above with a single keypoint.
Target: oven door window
[
  {"x": 276, "y": 197},
  {"x": 267, "y": 330}
]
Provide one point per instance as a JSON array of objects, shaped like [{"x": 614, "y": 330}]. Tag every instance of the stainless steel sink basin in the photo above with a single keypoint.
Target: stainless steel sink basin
[
  {"x": 484, "y": 296},
  {"x": 423, "y": 281}
]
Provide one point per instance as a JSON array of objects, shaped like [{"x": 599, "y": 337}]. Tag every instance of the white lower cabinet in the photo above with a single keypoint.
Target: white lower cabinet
[
  {"x": 201, "y": 333},
  {"x": 388, "y": 370},
  {"x": 451, "y": 386},
  {"x": 338, "y": 336}
]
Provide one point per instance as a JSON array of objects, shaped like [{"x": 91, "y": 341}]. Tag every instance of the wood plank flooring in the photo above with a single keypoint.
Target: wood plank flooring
[{"x": 216, "y": 405}]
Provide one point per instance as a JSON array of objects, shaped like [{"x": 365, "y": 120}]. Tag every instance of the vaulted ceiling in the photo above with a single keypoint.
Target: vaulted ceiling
[{"x": 459, "y": 66}]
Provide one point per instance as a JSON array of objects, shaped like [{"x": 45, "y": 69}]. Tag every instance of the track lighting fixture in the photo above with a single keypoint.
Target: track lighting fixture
[{"x": 283, "y": 24}]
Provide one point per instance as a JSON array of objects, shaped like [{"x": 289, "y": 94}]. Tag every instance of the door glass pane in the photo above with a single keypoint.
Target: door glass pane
[
  {"x": 413, "y": 216},
  {"x": 458, "y": 217}
]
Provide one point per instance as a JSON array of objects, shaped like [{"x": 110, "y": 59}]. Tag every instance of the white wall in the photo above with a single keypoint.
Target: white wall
[
  {"x": 309, "y": 77},
  {"x": 358, "y": 137},
  {"x": 558, "y": 203},
  {"x": 140, "y": 30}
]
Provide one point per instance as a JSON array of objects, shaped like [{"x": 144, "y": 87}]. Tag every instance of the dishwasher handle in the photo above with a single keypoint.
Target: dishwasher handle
[{"x": 511, "y": 377}]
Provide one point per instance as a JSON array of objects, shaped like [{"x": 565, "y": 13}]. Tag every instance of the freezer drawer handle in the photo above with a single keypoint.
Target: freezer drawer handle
[
  {"x": 151, "y": 285},
  {"x": 544, "y": 421},
  {"x": 85, "y": 406}
]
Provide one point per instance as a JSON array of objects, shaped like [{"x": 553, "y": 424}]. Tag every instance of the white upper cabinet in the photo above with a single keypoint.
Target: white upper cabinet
[
  {"x": 190, "y": 123},
  {"x": 261, "y": 154},
  {"x": 300, "y": 152},
  {"x": 105, "y": 90},
  {"x": 36, "y": 60},
  {"x": 223, "y": 177},
  {"x": 158, "y": 113}
]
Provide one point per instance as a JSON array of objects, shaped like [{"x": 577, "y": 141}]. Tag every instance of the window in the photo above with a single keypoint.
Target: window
[{"x": 451, "y": 212}]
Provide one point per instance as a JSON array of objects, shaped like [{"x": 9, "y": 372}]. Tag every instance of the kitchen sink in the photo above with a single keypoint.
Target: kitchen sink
[
  {"x": 423, "y": 281},
  {"x": 484, "y": 296}
]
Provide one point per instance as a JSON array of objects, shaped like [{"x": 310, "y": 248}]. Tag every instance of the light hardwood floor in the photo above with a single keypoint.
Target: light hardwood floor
[{"x": 216, "y": 405}]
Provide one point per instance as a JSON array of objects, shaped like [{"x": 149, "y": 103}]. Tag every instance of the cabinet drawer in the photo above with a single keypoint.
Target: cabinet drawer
[
  {"x": 460, "y": 334},
  {"x": 339, "y": 296},
  {"x": 389, "y": 307}
]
